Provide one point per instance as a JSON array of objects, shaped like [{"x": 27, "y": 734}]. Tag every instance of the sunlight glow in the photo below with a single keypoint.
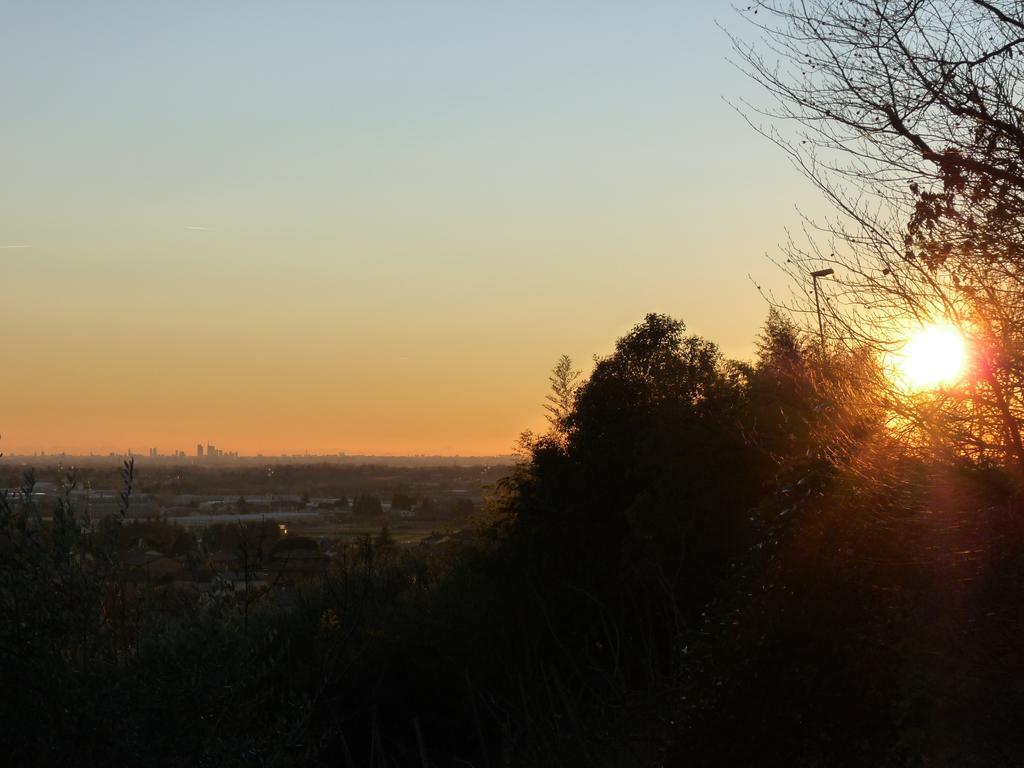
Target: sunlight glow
[{"x": 936, "y": 356}]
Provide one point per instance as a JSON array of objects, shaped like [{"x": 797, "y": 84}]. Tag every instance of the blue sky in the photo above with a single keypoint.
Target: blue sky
[{"x": 445, "y": 195}]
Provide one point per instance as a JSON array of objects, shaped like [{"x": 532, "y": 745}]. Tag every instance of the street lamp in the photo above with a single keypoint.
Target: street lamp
[{"x": 817, "y": 303}]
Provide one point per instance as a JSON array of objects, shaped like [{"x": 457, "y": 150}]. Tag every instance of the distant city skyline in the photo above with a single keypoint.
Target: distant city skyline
[
  {"x": 177, "y": 453},
  {"x": 183, "y": 459},
  {"x": 304, "y": 225}
]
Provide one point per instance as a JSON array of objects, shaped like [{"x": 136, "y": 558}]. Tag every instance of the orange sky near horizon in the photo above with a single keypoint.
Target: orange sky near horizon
[{"x": 287, "y": 228}]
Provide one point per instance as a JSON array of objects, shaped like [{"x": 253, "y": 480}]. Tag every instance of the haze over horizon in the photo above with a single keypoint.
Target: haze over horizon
[{"x": 369, "y": 229}]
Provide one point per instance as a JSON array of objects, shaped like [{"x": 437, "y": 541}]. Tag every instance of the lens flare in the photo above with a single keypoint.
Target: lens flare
[{"x": 936, "y": 356}]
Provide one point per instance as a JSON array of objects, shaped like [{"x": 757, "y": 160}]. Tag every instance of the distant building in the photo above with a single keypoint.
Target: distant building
[
  {"x": 153, "y": 453},
  {"x": 199, "y": 450}
]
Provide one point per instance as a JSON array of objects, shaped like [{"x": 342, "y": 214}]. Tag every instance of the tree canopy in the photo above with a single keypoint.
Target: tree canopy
[{"x": 906, "y": 115}]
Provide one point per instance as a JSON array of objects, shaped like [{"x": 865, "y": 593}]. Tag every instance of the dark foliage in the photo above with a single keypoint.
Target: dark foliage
[{"x": 702, "y": 563}]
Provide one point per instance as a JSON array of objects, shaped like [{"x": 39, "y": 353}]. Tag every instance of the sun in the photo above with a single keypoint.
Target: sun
[{"x": 935, "y": 356}]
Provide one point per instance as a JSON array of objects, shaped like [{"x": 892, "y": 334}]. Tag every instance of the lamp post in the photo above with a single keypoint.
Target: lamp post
[{"x": 817, "y": 303}]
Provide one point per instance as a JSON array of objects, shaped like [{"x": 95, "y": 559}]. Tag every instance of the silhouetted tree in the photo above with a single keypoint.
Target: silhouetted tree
[
  {"x": 645, "y": 491},
  {"x": 367, "y": 505},
  {"x": 402, "y": 501},
  {"x": 564, "y": 382},
  {"x": 782, "y": 390},
  {"x": 910, "y": 124}
]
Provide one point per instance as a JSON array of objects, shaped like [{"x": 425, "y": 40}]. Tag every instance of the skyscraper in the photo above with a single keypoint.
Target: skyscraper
[{"x": 199, "y": 450}]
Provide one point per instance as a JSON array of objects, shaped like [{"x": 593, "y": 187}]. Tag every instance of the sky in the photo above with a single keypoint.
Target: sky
[{"x": 361, "y": 227}]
